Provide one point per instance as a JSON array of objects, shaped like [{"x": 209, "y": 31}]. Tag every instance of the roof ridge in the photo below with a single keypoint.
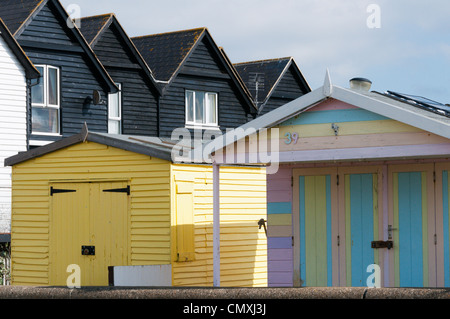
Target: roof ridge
[
  {"x": 106, "y": 22},
  {"x": 169, "y": 32},
  {"x": 264, "y": 61}
]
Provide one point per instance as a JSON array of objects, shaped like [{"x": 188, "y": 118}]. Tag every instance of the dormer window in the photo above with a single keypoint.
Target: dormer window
[
  {"x": 45, "y": 101},
  {"x": 201, "y": 109}
]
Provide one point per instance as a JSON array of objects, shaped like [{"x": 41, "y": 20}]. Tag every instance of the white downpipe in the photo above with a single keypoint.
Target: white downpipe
[{"x": 216, "y": 225}]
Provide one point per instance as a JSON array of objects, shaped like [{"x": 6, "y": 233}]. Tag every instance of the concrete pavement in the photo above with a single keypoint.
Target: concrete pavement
[{"x": 12, "y": 292}]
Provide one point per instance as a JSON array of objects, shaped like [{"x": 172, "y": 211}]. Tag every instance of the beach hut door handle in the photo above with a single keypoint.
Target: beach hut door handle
[
  {"x": 390, "y": 230},
  {"x": 262, "y": 223}
]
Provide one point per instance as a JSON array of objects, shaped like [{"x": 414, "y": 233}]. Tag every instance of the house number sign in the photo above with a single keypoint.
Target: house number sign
[{"x": 291, "y": 138}]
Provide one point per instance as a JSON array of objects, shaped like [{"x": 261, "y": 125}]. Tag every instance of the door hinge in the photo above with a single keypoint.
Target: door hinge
[
  {"x": 338, "y": 240},
  {"x": 435, "y": 239},
  {"x": 434, "y": 176},
  {"x": 292, "y": 181},
  {"x": 60, "y": 191},
  {"x": 337, "y": 180},
  {"x": 118, "y": 190},
  {"x": 292, "y": 241}
]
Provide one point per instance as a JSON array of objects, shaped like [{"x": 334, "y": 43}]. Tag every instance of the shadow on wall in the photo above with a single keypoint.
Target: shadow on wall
[
  {"x": 243, "y": 260},
  {"x": 243, "y": 255}
]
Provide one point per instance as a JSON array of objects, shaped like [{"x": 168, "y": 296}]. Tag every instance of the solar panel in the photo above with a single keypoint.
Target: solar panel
[{"x": 422, "y": 102}]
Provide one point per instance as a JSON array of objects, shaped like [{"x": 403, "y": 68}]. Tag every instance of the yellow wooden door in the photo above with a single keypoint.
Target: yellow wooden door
[
  {"x": 89, "y": 228},
  {"x": 185, "y": 221}
]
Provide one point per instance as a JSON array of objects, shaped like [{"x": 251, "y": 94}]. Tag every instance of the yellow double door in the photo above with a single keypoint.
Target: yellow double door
[{"x": 88, "y": 231}]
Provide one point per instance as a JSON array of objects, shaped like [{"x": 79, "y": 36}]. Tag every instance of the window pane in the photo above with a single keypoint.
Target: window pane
[
  {"x": 199, "y": 107},
  {"x": 45, "y": 120},
  {"x": 37, "y": 91},
  {"x": 53, "y": 86},
  {"x": 114, "y": 109},
  {"x": 212, "y": 102},
  {"x": 189, "y": 106},
  {"x": 114, "y": 127}
]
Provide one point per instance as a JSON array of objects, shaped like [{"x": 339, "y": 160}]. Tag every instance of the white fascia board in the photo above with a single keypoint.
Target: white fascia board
[{"x": 270, "y": 119}]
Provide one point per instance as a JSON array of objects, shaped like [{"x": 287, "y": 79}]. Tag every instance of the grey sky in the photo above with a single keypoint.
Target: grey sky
[{"x": 410, "y": 53}]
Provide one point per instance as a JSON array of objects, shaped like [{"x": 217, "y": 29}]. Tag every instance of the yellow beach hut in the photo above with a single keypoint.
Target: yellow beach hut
[{"x": 116, "y": 210}]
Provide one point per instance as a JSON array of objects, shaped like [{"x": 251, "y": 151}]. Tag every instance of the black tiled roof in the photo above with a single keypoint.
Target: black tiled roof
[
  {"x": 15, "y": 12},
  {"x": 165, "y": 52},
  {"x": 91, "y": 26},
  {"x": 267, "y": 71}
]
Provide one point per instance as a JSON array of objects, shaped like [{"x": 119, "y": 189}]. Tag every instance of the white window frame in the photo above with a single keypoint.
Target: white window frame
[
  {"x": 46, "y": 104},
  {"x": 206, "y": 110},
  {"x": 113, "y": 118}
]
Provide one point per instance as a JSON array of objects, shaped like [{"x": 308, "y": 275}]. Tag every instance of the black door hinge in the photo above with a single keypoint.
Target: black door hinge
[
  {"x": 60, "y": 191},
  {"x": 118, "y": 190}
]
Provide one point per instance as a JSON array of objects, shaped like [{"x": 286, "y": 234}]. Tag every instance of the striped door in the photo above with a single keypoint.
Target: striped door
[
  {"x": 315, "y": 231},
  {"x": 414, "y": 220},
  {"x": 361, "y": 216}
]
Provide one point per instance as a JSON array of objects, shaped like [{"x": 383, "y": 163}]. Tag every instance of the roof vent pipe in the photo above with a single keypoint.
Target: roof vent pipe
[{"x": 360, "y": 84}]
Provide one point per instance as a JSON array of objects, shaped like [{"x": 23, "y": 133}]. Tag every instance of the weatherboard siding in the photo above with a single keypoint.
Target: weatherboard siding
[
  {"x": 288, "y": 89},
  {"x": 202, "y": 59},
  {"x": 77, "y": 84},
  {"x": 443, "y": 218},
  {"x": 149, "y": 232},
  {"x": 139, "y": 98},
  {"x": 201, "y": 72},
  {"x": 367, "y": 135},
  {"x": 243, "y": 249},
  {"x": 13, "y": 129},
  {"x": 279, "y": 227},
  {"x": 361, "y": 134},
  {"x": 153, "y": 227},
  {"x": 46, "y": 27},
  {"x": 172, "y": 113},
  {"x": 47, "y": 40},
  {"x": 403, "y": 196},
  {"x": 110, "y": 49}
]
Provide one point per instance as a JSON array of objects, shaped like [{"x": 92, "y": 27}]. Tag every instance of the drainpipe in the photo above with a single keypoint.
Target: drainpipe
[
  {"x": 216, "y": 225},
  {"x": 385, "y": 225},
  {"x": 158, "y": 115},
  {"x": 29, "y": 110}
]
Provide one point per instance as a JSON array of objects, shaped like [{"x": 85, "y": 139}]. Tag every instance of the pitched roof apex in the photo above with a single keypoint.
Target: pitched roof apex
[
  {"x": 98, "y": 16},
  {"x": 264, "y": 61},
  {"x": 327, "y": 85},
  {"x": 170, "y": 32},
  {"x": 24, "y": 22}
]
